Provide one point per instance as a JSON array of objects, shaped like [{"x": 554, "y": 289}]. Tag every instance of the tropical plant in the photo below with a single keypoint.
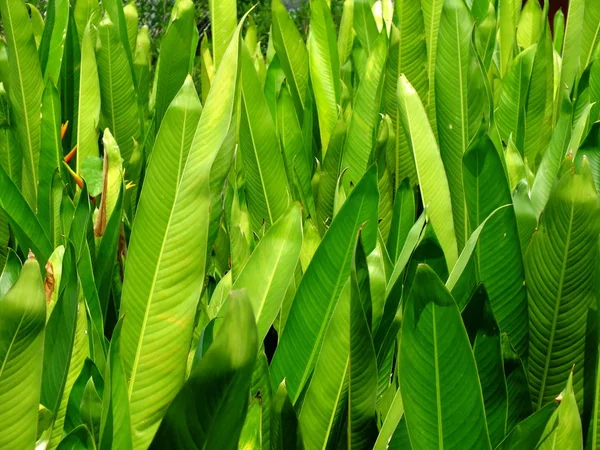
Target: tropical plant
[{"x": 385, "y": 235}]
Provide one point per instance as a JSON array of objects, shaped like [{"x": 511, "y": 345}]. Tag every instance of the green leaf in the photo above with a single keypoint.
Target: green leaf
[
  {"x": 438, "y": 376},
  {"x": 499, "y": 259},
  {"x": 120, "y": 110},
  {"x": 273, "y": 261},
  {"x": 507, "y": 25},
  {"x": 321, "y": 286},
  {"x": 131, "y": 16},
  {"x": 150, "y": 276},
  {"x": 51, "y": 49},
  {"x": 297, "y": 160},
  {"x": 60, "y": 335},
  {"x": 430, "y": 169},
  {"x": 209, "y": 410},
  {"x": 531, "y": 23},
  {"x": 89, "y": 99},
  {"x": 559, "y": 268},
  {"x": 22, "y": 321},
  {"x": 548, "y": 169},
  {"x": 266, "y": 182},
  {"x": 512, "y": 101},
  {"x": 459, "y": 105},
  {"x": 178, "y": 47},
  {"x": 23, "y": 220},
  {"x": 527, "y": 434},
  {"x": 558, "y": 26},
  {"x": 324, "y": 68},
  {"x": 408, "y": 56},
  {"x": 359, "y": 149},
  {"x": 484, "y": 334},
  {"x": 175, "y": 270},
  {"x": 79, "y": 439},
  {"x": 346, "y": 32},
  {"x": 572, "y": 46},
  {"x": 390, "y": 424},
  {"x": 563, "y": 429},
  {"x": 327, "y": 391},
  {"x": 223, "y": 22},
  {"x": 141, "y": 66},
  {"x": 26, "y": 88},
  {"x": 432, "y": 13},
  {"x": 79, "y": 353},
  {"x": 362, "y": 366},
  {"x": 365, "y": 25},
  {"x": 403, "y": 218},
  {"x": 115, "y": 428},
  {"x": 51, "y": 157},
  {"x": 292, "y": 54},
  {"x": 285, "y": 432}
]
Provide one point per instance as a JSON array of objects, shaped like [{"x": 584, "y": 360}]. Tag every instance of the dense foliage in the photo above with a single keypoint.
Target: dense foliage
[{"x": 384, "y": 234}]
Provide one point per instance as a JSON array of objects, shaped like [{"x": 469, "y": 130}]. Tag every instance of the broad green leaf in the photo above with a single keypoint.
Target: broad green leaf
[
  {"x": 115, "y": 428},
  {"x": 531, "y": 23},
  {"x": 362, "y": 366},
  {"x": 26, "y": 88},
  {"x": 512, "y": 101},
  {"x": 507, "y": 27},
  {"x": 273, "y": 261},
  {"x": 571, "y": 50},
  {"x": 79, "y": 438},
  {"x": 328, "y": 388},
  {"x": 324, "y": 68},
  {"x": 51, "y": 49},
  {"x": 285, "y": 432},
  {"x": 60, "y": 335},
  {"x": 23, "y": 221},
  {"x": 10, "y": 152},
  {"x": 120, "y": 110},
  {"x": 430, "y": 169},
  {"x": 408, "y": 56},
  {"x": 359, "y": 148},
  {"x": 169, "y": 247},
  {"x": 89, "y": 99},
  {"x": 321, "y": 286},
  {"x": 150, "y": 274},
  {"x": 499, "y": 259},
  {"x": 223, "y": 22},
  {"x": 22, "y": 321},
  {"x": 590, "y": 34},
  {"x": 548, "y": 169},
  {"x": 558, "y": 26},
  {"x": 209, "y": 410},
  {"x": 563, "y": 429},
  {"x": 292, "y": 54},
  {"x": 10, "y": 273},
  {"x": 330, "y": 171},
  {"x": 365, "y": 25},
  {"x": 266, "y": 182},
  {"x": 459, "y": 105},
  {"x": 346, "y": 32},
  {"x": 207, "y": 73},
  {"x": 484, "y": 335},
  {"x": 141, "y": 66},
  {"x": 438, "y": 376},
  {"x": 402, "y": 219},
  {"x": 432, "y": 13},
  {"x": 178, "y": 47},
  {"x": 131, "y": 16},
  {"x": 297, "y": 160},
  {"x": 559, "y": 268},
  {"x": 526, "y": 435},
  {"x": 51, "y": 157},
  {"x": 390, "y": 423},
  {"x": 593, "y": 435},
  {"x": 79, "y": 353},
  {"x": 83, "y": 12}
]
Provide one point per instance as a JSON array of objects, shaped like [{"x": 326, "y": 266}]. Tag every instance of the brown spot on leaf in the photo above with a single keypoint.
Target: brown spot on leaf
[{"x": 49, "y": 281}]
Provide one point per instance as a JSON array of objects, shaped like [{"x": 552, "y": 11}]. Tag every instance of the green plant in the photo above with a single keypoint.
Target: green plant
[{"x": 383, "y": 235}]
